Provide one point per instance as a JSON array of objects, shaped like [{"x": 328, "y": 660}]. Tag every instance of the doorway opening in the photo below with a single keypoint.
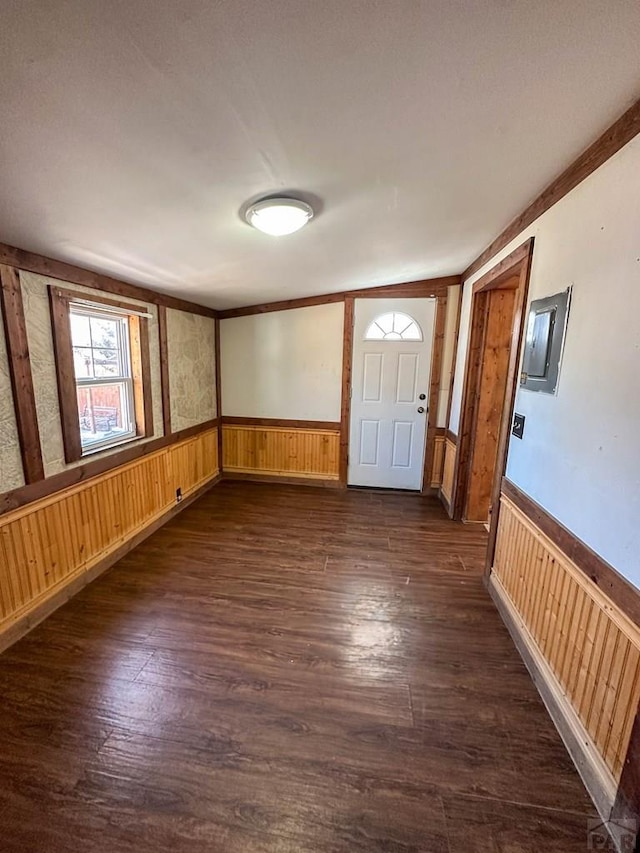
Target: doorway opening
[
  {"x": 497, "y": 309},
  {"x": 390, "y": 384}
]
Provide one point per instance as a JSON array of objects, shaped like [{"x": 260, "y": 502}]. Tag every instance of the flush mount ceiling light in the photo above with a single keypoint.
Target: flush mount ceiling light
[{"x": 279, "y": 216}]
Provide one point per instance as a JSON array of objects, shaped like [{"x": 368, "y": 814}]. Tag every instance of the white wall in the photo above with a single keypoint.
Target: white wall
[
  {"x": 580, "y": 456},
  {"x": 285, "y": 364},
  {"x": 461, "y": 357},
  {"x": 446, "y": 375}
]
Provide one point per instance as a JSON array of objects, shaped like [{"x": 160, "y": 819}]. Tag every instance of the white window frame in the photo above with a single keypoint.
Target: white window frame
[{"x": 125, "y": 378}]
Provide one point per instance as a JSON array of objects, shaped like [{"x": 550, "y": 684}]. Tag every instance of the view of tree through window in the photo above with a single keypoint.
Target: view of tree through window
[{"x": 104, "y": 384}]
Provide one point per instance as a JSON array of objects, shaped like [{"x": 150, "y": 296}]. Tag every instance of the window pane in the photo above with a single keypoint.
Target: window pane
[
  {"x": 80, "y": 333},
  {"x": 106, "y": 362},
  {"x": 104, "y": 333},
  {"x": 412, "y": 333},
  {"x": 83, "y": 362},
  {"x": 385, "y": 321},
  {"x": 103, "y": 412},
  {"x": 374, "y": 333},
  {"x": 394, "y": 326}
]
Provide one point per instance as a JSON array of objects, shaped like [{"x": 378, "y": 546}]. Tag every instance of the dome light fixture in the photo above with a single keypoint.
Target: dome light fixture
[{"x": 279, "y": 216}]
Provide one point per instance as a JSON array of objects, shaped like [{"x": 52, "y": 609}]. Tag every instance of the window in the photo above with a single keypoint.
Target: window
[
  {"x": 394, "y": 326},
  {"x": 102, "y": 359},
  {"x": 104, "y": 384}
]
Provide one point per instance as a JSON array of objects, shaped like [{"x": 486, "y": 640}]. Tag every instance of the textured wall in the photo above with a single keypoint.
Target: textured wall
[
  {"x": 36, "y": 307},
  {"x": 192, "y": 368},
  {"x": 11, "y": 476}
]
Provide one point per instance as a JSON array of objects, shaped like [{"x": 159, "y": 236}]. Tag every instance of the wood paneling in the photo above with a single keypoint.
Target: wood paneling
[
  {"x": 611, "y": 141},
  {"x": 50, "y": 543},
  {"x": 590, "y": 645},
  {"x": 82, "y": 473},
  {"x": 15, "y": 333},
  {"x": 307, "y": 453},
  {"x": 62, "y": 271},
  {"x": 623, "y": 594},
  {"x": 438, "y": 461},
  {"x": 448, "y": 470}
]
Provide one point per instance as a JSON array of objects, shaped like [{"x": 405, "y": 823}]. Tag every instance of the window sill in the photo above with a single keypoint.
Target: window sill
[{"x": 92, "y": 451}]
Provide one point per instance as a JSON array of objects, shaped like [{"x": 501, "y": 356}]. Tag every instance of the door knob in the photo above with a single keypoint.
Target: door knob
[{"x": 421, "y": 409}]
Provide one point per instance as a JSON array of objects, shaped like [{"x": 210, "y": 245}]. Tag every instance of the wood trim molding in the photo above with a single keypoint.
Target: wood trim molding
[
  {"x": 218, "y": 384},
  {"x": 428, "y": 287},
  {"x": 452, "y": 437},
  {"x": 15, "y": 332},
  {"x": 282, "y": 480},
  {"x": 623, "y": 594},
  {"x": 65, "y": 374},
  {"x": 425, "y": 287},
  {"x": 60, "y": 301},
  {"x": 518, "y": 263},
  {"x": 519, "y": 325},
  {"x": 91, "y": 299},
  {"x": 471, "y": 378},
  {"x": 345, "y": 406},
  {"x": 31, "y": 262},
  {"x": 80, "y": 473},
  {"x": 334, "y": 426},
  {"x": 504, "y": 269},
  {"x": 282, "y": 305},
  {"x": 434, "y": 389},
  {"x": 141, "y": 369},
  {"x": 609, "y": 143},
  {"x": 164, "y": 370}
]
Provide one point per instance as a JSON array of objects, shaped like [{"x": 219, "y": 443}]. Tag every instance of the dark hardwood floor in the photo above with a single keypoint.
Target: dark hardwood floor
[{"x": 284, "y": 669}]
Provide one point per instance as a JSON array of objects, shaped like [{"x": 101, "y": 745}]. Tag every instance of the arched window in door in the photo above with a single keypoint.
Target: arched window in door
[{"x": 393, "y": 326}]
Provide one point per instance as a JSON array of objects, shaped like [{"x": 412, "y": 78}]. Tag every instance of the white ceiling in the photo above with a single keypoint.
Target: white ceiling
[{"x": 132, "y": 131}]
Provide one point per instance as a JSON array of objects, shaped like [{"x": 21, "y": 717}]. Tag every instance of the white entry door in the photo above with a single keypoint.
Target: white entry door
[{"x": 392, "y": 341}]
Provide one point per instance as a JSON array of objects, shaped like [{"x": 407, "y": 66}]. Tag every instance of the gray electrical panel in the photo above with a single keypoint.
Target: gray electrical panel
[{"x": 544, "y": 342}]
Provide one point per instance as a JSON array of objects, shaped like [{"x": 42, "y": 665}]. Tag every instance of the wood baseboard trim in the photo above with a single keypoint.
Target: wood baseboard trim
[
  {"x": 256, "y": 477},
  {"x": 595, "y": 775},
  {"x": 445, "y": 502},
  {"x": 72, "y": 585}
]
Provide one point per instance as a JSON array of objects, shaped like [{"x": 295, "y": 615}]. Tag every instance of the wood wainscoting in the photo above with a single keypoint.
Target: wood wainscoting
[
  {"x": 291, "y": 450},
  {"x": 52, "y": 547},
  {"x": 438, "y": 459},
  {"x": 448, "y": 469},
  {"x": 583, "y": 651}
]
